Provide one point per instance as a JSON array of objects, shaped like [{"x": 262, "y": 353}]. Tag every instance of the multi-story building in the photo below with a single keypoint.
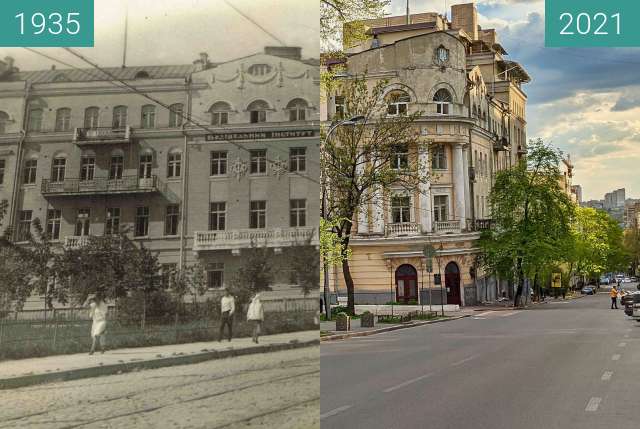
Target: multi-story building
[
  {"x": 472, "y": 124},
  {"x": 198, "y": 162},
  {"x": 577, "y": 190},
  {"x": 614, "y": 199}
]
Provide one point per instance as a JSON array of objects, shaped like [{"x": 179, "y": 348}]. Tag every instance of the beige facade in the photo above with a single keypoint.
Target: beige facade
[{"x": 472, "y": 124}]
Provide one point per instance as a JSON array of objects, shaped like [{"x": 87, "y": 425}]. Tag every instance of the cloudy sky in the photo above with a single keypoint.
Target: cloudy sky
[
  {"x": 175, "y": 31},
  {"x": 585, "y": 101}
]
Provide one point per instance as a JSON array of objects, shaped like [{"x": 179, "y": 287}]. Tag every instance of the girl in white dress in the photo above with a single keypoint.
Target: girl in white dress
[
  {"x": 98, "y": 314},
  {"x": 256, "y": 315}
]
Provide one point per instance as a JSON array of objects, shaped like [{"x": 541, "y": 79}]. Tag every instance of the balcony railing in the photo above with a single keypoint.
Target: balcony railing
[
  {"x": 501, "y": 144},
  {"x": 244, "y": 238},
  {"x": 447, "y": 227},
  {"x": 75, "y": 242},
  {"x": 88, "y": 136},
  {"x": 402, "y": 229},
  {"x": 102, "y": 186},
  {"x": 482, "y": 224}
]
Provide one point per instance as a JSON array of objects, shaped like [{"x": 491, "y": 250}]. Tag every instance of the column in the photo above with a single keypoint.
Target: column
[
  {"x": 458, "y": 183},
  {"x": 425, "y": 191},
  {"x": 363, "y": 215},
  {"x": 467, "y": 185},
  {"x": 377, "y": 211}
]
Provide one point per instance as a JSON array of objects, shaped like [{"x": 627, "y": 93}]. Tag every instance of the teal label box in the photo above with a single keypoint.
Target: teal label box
[
  {"x": 591, "y": 23},
  {"x": 46, "y": 23}
]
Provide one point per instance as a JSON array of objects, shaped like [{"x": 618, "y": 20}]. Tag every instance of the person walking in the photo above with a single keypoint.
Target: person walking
[
  {"x": 255, "y": 314},
  {"x": 227, "y": 308},
  {"x": 614, "y": 297},
  {"x": 98, "y": 314}
]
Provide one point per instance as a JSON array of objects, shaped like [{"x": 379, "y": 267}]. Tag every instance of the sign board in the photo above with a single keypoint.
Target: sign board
[
  {"x": 261, "y": 135},
  {"x": 437, "y": 279},
  {"x": 556, "y": 280}
]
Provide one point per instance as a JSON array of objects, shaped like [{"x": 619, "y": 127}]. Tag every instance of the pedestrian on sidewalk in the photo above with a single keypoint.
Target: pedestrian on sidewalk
[
  {"x": 227, "y": 308},
  {"x": 614, "y": 297},
  {"x": 255, "y": 314},
  {"x": 98, "y": 314}
]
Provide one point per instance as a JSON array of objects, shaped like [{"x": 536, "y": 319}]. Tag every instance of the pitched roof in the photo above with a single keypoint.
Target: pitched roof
[{"x": 91, "y": 74}]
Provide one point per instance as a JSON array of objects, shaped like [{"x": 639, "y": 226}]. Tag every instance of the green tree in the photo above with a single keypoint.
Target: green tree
[
  {"x": 335, "y": 13},
  {"x": 531, "y": 214},
  {"x": 255, "y": 273}
]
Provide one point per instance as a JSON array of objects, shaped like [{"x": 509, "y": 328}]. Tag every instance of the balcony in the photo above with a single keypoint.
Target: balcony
[
  {"x": 238, "y": 239},
  {"x": 447, "y": 227},
  {"x": 100, "y": 135},
  {"x": 102, "y": 186},
  {"x": 482, "y": 224},
  {"x": 75, "y": 242},
  {"x": 402, "y": 229},
  {"x": 501, "y": 144}
]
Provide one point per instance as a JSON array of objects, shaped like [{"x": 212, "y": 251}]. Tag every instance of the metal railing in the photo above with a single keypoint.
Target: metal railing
[
  {"x": 244, "y": 238},
  {"x": 102, "y": 135},
  {"x": 75, "y": 242},
  {"x": 482, "y": 224},
  {"x": 126, "y": 184},
  {"x": 402, "y": 229}
]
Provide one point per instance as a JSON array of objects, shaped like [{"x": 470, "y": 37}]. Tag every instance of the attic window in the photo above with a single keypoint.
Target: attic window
[
  {"x": 259, "y": 69},
  {"x": 61, "y": 78},
  {"x": 142, "y": 75}
]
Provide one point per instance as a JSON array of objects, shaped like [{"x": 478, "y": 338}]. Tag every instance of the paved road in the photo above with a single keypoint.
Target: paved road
[
  {"x": 277, "y": 390},
  {"x": 564, "y": 365}
]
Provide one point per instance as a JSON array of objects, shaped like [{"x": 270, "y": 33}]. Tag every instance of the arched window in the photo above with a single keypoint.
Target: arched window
[
  {"x": 116, "y": 164},
  {"x": 91, "y": 117},
  {"x": 397, "y": 103},
  {"x": 145, "y": 164},
  {"x": 148, "y": 117},
  {"x": 176, "y": 115},
  {"x": 174, "y": 162},
  {"x": 443, "y": 99},
  {"x": 35, "y": 120},
  {"x": 297, "y": 110},
  {"x": 258, "y": 111},
  {"x": 63, "y": 119},
  {"x": 119, "y": 116},
  {"x": 58, "y": 167},
  {"x": 4, "y": 120},
  {"x": 142, "y": 75},
  {"x": 220, "y": 113}
]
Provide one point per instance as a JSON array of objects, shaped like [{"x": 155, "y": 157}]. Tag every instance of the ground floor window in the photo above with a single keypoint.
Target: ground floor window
[
  {"x": 142, "y": 222},
  {"x": 53, "y": 224},
  {"x": 215, "y": 275},
  {"x": 24, "y": 225}
]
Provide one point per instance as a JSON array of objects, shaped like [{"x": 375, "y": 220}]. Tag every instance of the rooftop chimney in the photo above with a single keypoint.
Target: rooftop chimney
[
  {"x": 465, "y": 17},
  {"x": 291, "y": 52}
]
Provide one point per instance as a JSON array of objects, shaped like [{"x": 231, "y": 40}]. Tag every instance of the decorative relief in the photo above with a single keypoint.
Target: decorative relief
[
  {"x": 239, "y": 168},
  {"x": 279, "y": 167}
]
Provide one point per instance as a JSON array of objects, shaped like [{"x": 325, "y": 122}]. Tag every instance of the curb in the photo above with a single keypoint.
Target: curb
[
  {"x": 121, "y": 368},
  {"x": 389, "y": 329}
]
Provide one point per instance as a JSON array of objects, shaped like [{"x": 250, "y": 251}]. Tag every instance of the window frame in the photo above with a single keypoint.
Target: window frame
[
  {"x": 82, "y": 226},
  {"x": 148, "y": 117},
  {"x": 176, "y": 115},
  {"x": 217, "y": 216},
  {"x": 30, "y": 172},
  {"x": 25, "y": 218},
  {"x": 120, "y": 117},
  {"x": 92, "y": 117},
  {"x": 258, "y": 162},
  {"x": 438, "y": 209},
  {"x": 112, "y": 220},
  {"x": 212, "y": 270},
  {"x": 297, "y": 161},
  {"x": 401, "y": 210},
  {"x": 63, "y": 119},
  {"x": 258, "y": 214},
  {"x": 221, "y": 163},
  {"x": 54, "y": 221},
  {"x": 35, "y": 127},
  {"x": 58, "y": 170},
  {"x": 297, "y": 213},
  {"x": 143, "y": 215},
  {"x": 172, "y": 220},
  {"x": 174, "y": 164},
  {"x": 439, "y": 159}
]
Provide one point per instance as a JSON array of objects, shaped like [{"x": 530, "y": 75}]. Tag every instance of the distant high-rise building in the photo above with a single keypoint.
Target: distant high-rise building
[{"x": 614, "y": 199}]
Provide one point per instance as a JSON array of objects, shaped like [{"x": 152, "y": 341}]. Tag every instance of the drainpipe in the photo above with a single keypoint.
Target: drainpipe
[
  {"x": 185, "y": 178},
  {"x": 470, "y": 156},
  {"x": 16, "y": 174}
]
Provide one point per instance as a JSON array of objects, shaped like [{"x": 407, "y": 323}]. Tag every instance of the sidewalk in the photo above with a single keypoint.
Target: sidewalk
[{"x": 25, "y": 372}]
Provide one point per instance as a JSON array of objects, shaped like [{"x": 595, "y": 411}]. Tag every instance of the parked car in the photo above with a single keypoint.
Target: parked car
[
  {"x": 626, "y": 280},
  {"x": 634, "y": 279},
  {"x": 628, "y": 301},
  {"x": 604, "y": 280},
  {"x": 588, "y": 290}
]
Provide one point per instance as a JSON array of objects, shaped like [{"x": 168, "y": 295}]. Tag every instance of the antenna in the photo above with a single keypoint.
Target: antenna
[{"x": 126, "y": 35}]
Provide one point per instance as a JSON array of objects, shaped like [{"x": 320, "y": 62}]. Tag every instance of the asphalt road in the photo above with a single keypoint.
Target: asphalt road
[
  {"x": 275, "y": 390},
  {"x": 564, "y": 365}
]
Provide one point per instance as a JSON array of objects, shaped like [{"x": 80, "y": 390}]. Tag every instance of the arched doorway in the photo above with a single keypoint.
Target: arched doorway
[
  {"x": 406, "y": 283},
  {"x": 452, "y": 283}
]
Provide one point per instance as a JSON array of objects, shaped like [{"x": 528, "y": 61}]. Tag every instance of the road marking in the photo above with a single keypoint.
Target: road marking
[
  {"x": 464, "y": 360},
  {"x": 511, "y": 313},
  {"x": 622, "y": 345},
  {"x": 485, "y": 313},
  {"x": 335, "y": 411},
  {"x": 615, "y": 357},
  {"x": 629, "y": 330},
  {"x": 607, "y": 375},
  {"x": 479, "y": 318},
  {"x": 626, "y": 335},
  {"x": 593, "y": 404},
  {"x": 406, "y": 383}
]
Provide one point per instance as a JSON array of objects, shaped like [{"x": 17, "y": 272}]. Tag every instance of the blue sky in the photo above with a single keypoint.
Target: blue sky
[{"x": 584, "y": 101}]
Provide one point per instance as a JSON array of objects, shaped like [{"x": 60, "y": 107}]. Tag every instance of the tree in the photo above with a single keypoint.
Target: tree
[
  {"x": 531, "y": 216},
  {"x": 362, "y": 158},
  {"x": 335, "y": 13},
  {"x": 254, "y": 275},
  {"x": 304, "y": 261}
]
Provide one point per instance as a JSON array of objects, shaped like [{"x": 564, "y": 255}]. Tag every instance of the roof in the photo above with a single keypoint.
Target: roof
[
  {"x": 404, "y": 27},
  {"x": 517, "y": 71}
]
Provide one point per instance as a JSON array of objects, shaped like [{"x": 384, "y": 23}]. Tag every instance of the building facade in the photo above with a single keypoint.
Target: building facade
[
  {"x": 196, "y": 162},
  {"x": 472, "y": 124}
]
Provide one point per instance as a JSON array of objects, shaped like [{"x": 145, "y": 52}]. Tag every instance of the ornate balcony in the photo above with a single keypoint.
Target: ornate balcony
[
  {"x": 102, "y": 186},
  {"x": 501, "y": 144},
  {"x": 100, "y": 135},
  {"x": 447, "y": 227},
  {"x": 238, "y": 239},
  {"x": 75, "y": 242},
  {"x": 402, "y": 229}
]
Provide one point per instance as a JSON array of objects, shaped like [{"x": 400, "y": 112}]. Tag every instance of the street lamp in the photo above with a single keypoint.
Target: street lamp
[{"x": 345, "y": 122}]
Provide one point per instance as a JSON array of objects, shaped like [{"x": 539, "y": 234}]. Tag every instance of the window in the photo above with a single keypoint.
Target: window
[
  {"x": 258, "y": 161},
  {"x": 58, "y": 169},
  {"x": 297, "y": 159},
  {"x": 91, "y": 117},
  {"x": 259, "y": 69},
  {"x": 297, "y": 213},
  {"x": 87, "y": 167},
  {"x": 63, "y": 119},
  {"x": 173, "y": 164},
  {"x": 120, "y": 117},
  {"x": 116, "y": 167},
  {"x": 148, "y": 119},
  {"x": 112, "y": 223},
  {"x": 220, "y": 113},
  {"x": 217, "y": 216},
  {"x": 215, "y": 275},
  {"x": 4, "y": 120},
  {"x": 441, "y": 208},
  {"x": 400, "y": 158},
  {"x": 401, "y": 209},
  {"x": 443, "y": 99},
  {"x": 167, "y": 274},
  {"x": 297, "y": 110},
  {"x": 340, "y": 106},
  {"x": 176, "y": 115},
  {"x": 397, "y": 103},
  {"x": 24, "y": 225},
  {"x": 171, "y": 218},
  {"x": 30, "y": 167},
  {"x": 2, "y": 168},
  {"x": 439, "y": 158},
  {"x": 218, "y": 163},
  {"x": 145, "y": 166},
  {"x": 83, "y": 222},
  {"x": 257, "y": 214},
  {"x": 35, "y": 120},
  {"x": 142, "y": 222},
  {"x": 53, "y": 224},
  {"x": 258, "y": 111}
]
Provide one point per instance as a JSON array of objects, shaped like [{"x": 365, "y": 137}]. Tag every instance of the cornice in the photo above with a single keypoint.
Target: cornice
[{"x": 415, "y": 240}]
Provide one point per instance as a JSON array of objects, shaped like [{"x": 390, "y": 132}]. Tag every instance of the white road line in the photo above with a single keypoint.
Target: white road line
[
  {"x": 479, "y": 318},
  {"x": 511, "y": 313},
  {"x": 607, "y": 375},
  {"x": 593, "y": 404},
  {"x": 615, "y": 357},
  {"x": 485, "y": 313},
  {"x": 464, "y": 360},
  {"x": 406, "y": 383},
  {"x": 622, "y": 345},
  {"x": 335, "y": 411}
]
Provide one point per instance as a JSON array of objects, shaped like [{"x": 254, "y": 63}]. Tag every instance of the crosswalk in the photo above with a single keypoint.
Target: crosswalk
[{"x": 494, "y": 314}]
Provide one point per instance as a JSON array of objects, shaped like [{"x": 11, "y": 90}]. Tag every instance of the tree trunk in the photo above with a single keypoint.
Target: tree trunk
[
  {"x": 516, "y": 298},
  {"x": 348, "y": 280}
]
